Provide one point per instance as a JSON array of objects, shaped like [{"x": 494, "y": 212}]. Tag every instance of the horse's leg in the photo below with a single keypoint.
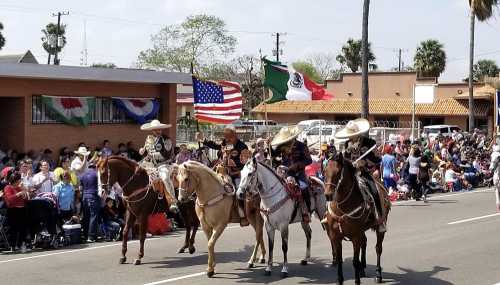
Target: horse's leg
[
  {"x": 332, "y": 244},
  {"x": 338, "y": 257},
  {"x": 186, "y": 239},
  {"x": 363, "y": 256},
  {"x": 307, "y": 230},
  {"x": 129, "y": 222},
  {"x": 260, "y": 236},
  {"x": 378, "y": 248},
  {"x": 284, "y": 248},
  {"x": 251, "y": 219},
  {"x": 270, "y": 238},
  {"x": 216, "y": 233},
  {"x": 143, "y": 227},
  {"x": 356, "y": 244},
  {"x": 192, "y": 249}
]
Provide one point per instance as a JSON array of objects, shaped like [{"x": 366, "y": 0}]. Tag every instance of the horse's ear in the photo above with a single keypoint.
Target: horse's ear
[{"x": 254, "y": 160}]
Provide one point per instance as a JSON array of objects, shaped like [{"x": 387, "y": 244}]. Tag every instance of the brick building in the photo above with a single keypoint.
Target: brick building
[
  {"x": 391, "y": 100},
  {"x": 26, "y": 125}
]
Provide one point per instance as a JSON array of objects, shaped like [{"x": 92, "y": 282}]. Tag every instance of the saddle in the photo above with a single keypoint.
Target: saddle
[{"x": 238, "y": 208}]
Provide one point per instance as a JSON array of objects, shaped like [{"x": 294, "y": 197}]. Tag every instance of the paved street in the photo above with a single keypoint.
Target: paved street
[{"x": 453, "y": 239}]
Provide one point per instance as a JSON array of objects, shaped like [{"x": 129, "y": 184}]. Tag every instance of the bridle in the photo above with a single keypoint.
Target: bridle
[{"x": 129, "y": 180}]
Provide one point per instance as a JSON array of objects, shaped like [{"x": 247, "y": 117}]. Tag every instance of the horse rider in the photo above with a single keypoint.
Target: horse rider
[
  {"x": 494, "y": 167},
  {"x": 232, "y": 148},
  {"x": 287, "y": 151},
  {"x": 359, "y": 149},
  {"x": 157, "y": 154}
]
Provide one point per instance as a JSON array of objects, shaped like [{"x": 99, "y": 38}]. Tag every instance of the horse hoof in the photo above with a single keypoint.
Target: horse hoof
[
  {"x": 122, "y": 260},
  {"x": 181, "y": 250},
  {"x": 262, "y": 261},
  {"x": 251, "y": 265},
  {"x": 210, "y": 274},
  {"x": 340, "y": 282},
  {"x": 284, "y": 274},
  {"x": 303, "y": 262},
  {"x": 192, "y": 250},
  {"x": 378, "y": 280},
  {"x": 267, "y": 273},
  {"x": 137, "y": 262},
  {"x": 362, "y": 273}
]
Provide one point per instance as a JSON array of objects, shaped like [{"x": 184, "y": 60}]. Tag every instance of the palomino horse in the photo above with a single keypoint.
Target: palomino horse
[
  {"x": 252, "y": 212},
  {"x": 139, "y": 196},
  {"x": 188, "y": 214},
  {"x": 277, "y": 207},
  {"x": 350, "y": 216},
  {"x": 214, "y": 205}
]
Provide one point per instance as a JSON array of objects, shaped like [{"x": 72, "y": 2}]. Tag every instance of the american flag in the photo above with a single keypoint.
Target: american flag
[{"x": 217, "y": 102}]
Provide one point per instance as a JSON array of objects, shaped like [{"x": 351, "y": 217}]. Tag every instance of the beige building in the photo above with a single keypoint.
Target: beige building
[{"x": 391, "y": 99}]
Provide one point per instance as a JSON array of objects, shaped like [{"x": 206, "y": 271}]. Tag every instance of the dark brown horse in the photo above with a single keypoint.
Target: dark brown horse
[
  {"x": 188, "y": 214},
  {"x": 350, "y": 216},
  {"x": 140, "y": 197}
]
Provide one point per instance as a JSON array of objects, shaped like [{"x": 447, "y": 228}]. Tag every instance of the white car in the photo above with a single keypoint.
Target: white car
[
  {"x": 307, "y": 124},
  {"x": 318, "y": 135},
  {"x": 445, "y": 130}
]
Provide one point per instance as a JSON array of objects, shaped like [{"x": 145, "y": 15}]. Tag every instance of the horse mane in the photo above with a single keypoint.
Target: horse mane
[
  {"x": 270, "y": 169},
  {"x": 127, "y": 161},
  {"x": 197, "y": 166}
]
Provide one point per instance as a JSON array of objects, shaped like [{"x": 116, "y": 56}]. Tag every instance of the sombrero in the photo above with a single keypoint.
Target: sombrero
[
  {"x": 353, "y": 128},
  {"x": 82, "y": 151},
  {"x": 154, "y": 125},
  {"x": 286, "y": 134}
]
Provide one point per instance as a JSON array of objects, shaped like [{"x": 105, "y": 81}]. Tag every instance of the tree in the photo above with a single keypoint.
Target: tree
[
  {"x": 350, "y": 55},
  {"x": 366, "y": 58},
  {"x": 308, "y": 70},
  {"x": 104, "y": 65},
  {"x": 324, "y": 63},
  {"x": 482, "y": 10},
  {"x": 430, "y": 59},
  {"x": 2, "y": 39},
  {"x": 50, "y": 37},
  {"x": 187, "y": 47},
  {"x": 485, "y": 68}
]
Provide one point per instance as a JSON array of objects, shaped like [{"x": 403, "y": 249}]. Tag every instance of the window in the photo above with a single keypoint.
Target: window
[
  {"x": 104, "y": 112},
  {"x": 313, "y": 132}
]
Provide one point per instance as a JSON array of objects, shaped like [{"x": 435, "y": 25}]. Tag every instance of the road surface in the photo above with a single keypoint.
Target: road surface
[{"x": 453, "y": 239}]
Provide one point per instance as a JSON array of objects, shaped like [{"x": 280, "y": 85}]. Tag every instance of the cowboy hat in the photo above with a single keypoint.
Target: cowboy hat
[
  {"x": 286, "y": 134},
  {"x": 82, "y": 151},
  {"x": 353, "y": 128},
  {"x": 154, "y": 125}
]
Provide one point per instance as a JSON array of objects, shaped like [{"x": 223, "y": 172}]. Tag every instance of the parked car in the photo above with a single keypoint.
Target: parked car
[
  {"x": 319, "y": 134},
  {"x": 257, "y": 127},
  {"x": 307, "y": 124},
  {"x": 445, "y": 130}
]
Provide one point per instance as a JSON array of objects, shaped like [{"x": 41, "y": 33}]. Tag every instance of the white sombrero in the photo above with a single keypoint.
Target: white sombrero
[
  {"x": 154, "y": 125},
  {"x": 82, "y": 151},
  {"x": 353, "y": 128},
  {"x": 285, "y": 135}
]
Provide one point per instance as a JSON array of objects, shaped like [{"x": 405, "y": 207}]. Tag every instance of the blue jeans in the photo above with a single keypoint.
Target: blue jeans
[{"x": 91, "y": 209}]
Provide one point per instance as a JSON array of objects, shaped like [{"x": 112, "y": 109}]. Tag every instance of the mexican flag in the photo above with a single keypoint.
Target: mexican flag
[
  {"x": 71, "y": 110},
  {"x": 288, "y": 84}
]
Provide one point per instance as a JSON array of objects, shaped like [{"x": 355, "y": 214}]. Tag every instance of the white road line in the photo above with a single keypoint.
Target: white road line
[
  {"x": 474, "y": 219},
  {"x": 176, "y": 278},
  {"x": 445, "y": 195}
]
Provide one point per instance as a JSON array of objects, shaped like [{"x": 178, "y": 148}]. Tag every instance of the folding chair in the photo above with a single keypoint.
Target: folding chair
[{"x": 3, "y": 231}]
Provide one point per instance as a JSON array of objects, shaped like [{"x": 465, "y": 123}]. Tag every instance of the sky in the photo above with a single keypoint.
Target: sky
[{"x": 117, "y": 30}]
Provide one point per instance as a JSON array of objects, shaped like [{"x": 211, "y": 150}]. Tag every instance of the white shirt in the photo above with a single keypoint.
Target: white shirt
[
  {"x": 27, "y": 181},
  {"x": 78, "y": 166},
  {"x": 45, "y": 186},
  {"x": 450, "y": 176}
]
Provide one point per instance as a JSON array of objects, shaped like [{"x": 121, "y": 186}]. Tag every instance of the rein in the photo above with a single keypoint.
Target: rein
[{"x": 260, "y": 187}]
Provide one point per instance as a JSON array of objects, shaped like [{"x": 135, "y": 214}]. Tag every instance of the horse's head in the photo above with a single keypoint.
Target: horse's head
[
  {"x": 249, "y": 179},
  {"x": 104, "y": 174},
  {"x": 187, "y": 180},
  {"x": 333, "y": 174}
]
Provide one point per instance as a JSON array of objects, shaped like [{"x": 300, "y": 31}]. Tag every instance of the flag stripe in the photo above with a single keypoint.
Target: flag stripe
[
  {"x": 212, "y": 119},
  {"x": 218, "y": 107}
]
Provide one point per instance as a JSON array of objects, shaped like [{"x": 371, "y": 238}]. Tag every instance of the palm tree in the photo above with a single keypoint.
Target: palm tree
[
  {"x": 482, "y": 10},
  {"x": 2, "y": 39},
  {"x": 49, "y": 38},
  {"x": 430, "y": 59},
  {"x": 351, "y": 55},
  {"x": 365, "y": 45}
]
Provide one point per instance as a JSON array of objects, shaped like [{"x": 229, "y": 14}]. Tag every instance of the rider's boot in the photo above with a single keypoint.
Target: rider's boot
[{"x": 379, "y": 217}]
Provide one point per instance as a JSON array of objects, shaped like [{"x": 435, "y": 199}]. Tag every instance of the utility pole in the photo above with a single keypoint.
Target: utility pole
[
  {"x": 59, "y": 14},
  {"x": 399, "y": 65},
  {"x": 400, "y": 61},
  {"x": 277, "y": 51},
  {"x": 84, "y": 58}
]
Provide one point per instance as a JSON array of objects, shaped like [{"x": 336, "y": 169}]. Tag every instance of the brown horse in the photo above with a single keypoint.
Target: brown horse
[
  {"x": 139, "y": 195},
  {"x": 350, "y": 216},
  {"x": 188, "y": 213}
]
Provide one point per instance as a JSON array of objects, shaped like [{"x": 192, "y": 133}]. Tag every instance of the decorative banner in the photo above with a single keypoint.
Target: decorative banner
[
  {"x": 140, "y": 110},
  {"x": 71, "y": 110}
]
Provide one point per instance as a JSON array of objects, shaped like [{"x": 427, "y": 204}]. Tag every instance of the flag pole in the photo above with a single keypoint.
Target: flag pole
[{"x": 265, "y": 92}]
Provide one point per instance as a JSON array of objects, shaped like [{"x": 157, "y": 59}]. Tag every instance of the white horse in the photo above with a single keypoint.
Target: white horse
[
  {"x": 495, "y": 167},
  {"x": 277, "y": 208}
]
